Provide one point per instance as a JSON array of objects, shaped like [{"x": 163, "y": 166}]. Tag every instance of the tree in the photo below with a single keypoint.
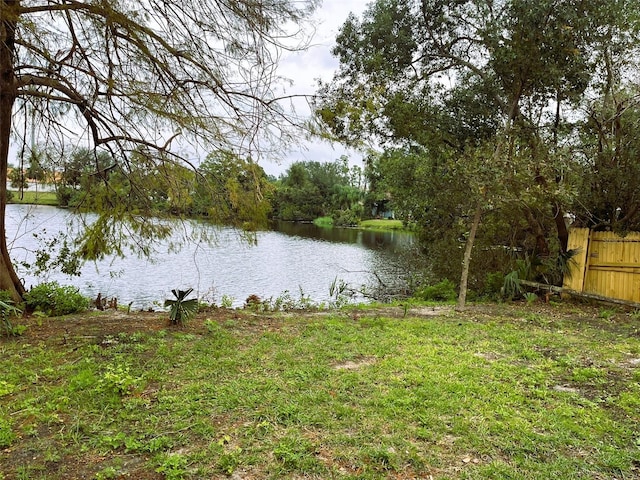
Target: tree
[
  {"x": 232, "y": 191},
  {"x": 309, "y": 190},
  {"x": 36, "y": 170},
  {"x": 81, "y": 166},
  {"x": 495, "y": 84},
  {"x": 298, "y": 198},
  {"x": 134, "y": 80},
  {"x": 609, "y": 184},
  {"x": 18, "y": 179}
]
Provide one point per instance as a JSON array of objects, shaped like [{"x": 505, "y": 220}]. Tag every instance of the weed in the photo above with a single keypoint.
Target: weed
[
  {"x": 107, "y": 473},
  {"x": 286, "y": 301},
  {"x": 340, "y": 292},
  {"x": 212, "y": 326},
  {"x": 607, "y": 313},
  {"x": 228, "y": 456},
  {"x": 511, "y": 288},
  {"x": 118, "y": 379},
  {"x": 229, "y": 460},
  {"x": 7, "y": 309},
  {"x": 6, "y": 388},
  {"x": 530, "y": 298},
  {"x": 157, "y": 444},
  {"x": 226, "y": 301},
  {"x": 253, "y": 302},
  {"x": 630, "y": 401},
  {"x": 7, "y": 436},
  {"x": 295, "y": 453},
  {"x": 173, "y": 466},
  {"x": 382, "y": 458},
  {"x": 587, "y": 374}
]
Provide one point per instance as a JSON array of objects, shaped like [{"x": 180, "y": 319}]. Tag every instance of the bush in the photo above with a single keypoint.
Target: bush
[
  {"x": 346, "y": 218},
  {"x": 64, "y": 195},
  {"x": 54, "y": 299},
  {"x": 511, "y": 287},
  {"x": 442, "y": 291},
  {"x": 493, "y": 284}
]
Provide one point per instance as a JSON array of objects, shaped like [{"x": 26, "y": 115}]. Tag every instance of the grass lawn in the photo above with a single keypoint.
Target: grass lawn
[
  {"x": 499, "y": 392},
  {"x": 380, "y": 224},
  {"x": 35, "y": 198}
]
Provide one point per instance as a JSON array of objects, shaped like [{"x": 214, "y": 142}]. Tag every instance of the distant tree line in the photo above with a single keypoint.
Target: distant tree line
[{"x": 223, "y": 188}]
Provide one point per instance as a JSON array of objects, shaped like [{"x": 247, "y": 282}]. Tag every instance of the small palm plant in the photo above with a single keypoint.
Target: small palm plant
[{"x": 182, "y": 309}]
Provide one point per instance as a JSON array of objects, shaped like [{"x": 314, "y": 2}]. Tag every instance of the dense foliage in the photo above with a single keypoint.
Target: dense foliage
[
  {"x": 510, "y": 116},
  {"x": 224, "y": 188},
  {"x": 309, "y": 190}
]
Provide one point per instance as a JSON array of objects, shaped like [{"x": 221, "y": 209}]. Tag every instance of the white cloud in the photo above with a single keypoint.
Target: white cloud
[{"x": 305, "y": 68}]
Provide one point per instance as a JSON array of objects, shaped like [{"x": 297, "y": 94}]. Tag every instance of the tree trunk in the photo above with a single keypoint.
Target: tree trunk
[
  {"x": 542, "y": 246},
  {"x": 8, "y": 92},
  {"x": 561, "y": 226},
  {"x": 464, "y": 278}
]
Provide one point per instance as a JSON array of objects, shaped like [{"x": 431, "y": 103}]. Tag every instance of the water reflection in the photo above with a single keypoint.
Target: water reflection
[
  {"x": 368, "y": 238},
  {"x": 296, "y": 258}
]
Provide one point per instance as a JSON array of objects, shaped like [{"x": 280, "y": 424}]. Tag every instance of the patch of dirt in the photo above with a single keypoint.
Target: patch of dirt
[
  {"x": 355, "y": 364},
  {"x": 104, "y": 325},
  {"x": 565, "y": 389},
  {"x": 413, "y": 312}
]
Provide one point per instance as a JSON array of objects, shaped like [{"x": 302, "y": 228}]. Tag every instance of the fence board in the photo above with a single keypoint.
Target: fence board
[
  {"x": 579, "y": 241},
  {"x": 607, "y": 264}
]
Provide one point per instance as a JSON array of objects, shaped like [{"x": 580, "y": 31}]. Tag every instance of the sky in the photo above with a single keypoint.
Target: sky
[{"x": 304, "y": 68}]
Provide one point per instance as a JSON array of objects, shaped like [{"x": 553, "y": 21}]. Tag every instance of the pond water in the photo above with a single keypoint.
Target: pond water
[{"x": 293, "y": 259}]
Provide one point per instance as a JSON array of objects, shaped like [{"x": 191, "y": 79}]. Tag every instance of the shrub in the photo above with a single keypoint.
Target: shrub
[
  {"x": 64, "y": 194},
  {"x": 511, "y": 287},
  {"x": 346, "y": 218},
  {"x": 441, "y": 291},
  {"x": 54, "y": 299},
  {"x": 493, "y": 284}
]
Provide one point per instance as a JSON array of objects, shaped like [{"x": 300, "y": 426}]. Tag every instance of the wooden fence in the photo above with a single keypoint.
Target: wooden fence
[{"x": 606, "y": 265}]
